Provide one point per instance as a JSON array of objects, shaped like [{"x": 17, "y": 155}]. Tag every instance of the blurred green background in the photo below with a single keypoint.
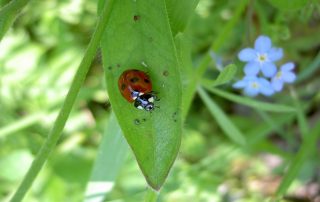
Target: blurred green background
[{"x": 43, "y": 48}]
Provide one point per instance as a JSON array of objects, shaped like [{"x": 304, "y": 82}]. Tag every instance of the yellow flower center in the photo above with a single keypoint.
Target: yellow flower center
[
  {"x": 279, "y": 75},
  {"x": 262, "y": 58},
  {"x": 255, "y": 85}
]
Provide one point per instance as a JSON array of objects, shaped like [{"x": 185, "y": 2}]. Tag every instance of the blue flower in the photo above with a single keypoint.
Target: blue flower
[
  {"x": 253, "y": 85},
  {"x": 284, "y": 75},
  {"x": 262, "y": 57}
]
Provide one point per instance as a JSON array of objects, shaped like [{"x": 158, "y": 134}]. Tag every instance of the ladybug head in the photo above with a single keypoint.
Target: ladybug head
[{"x": 145, "y": 101}]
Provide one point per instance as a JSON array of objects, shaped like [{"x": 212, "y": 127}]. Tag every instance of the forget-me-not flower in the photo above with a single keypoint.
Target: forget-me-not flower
[
  {"x": 284, "y": 75},
  {"x": 262, "y": 57},
  {"x": 253, "y": 85}
]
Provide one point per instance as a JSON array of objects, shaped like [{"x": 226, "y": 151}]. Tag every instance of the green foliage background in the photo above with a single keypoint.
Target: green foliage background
[{"x": 233, "y": 147}]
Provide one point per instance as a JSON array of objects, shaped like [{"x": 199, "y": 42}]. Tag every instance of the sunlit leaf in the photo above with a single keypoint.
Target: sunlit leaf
[{"x": 111, "y": 155}]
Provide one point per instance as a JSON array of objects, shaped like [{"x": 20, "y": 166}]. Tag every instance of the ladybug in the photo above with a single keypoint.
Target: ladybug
[{"x": 135, "y": 86}]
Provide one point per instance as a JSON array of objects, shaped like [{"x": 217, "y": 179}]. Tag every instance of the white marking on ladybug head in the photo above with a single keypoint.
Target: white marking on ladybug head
[
  {"x": 140, "y": 94},
  {"x": 140, "y": 107},
  {"x": 151, "y": 99}
]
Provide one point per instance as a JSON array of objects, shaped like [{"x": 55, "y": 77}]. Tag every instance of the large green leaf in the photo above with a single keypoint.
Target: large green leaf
[{"x": 139, "y": 36}]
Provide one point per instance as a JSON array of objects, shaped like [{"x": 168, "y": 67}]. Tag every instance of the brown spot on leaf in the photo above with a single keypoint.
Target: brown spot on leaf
[
  {"x": 165, "y": 73},
  {"x": 136, "y": 17}
]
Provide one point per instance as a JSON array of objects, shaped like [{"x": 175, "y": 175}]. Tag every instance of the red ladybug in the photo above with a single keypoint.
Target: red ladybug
[{"x": 135, "y": 86}]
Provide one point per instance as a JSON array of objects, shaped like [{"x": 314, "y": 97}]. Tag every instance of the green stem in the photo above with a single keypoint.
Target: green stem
[
  {"x": 59, "y": 124},
  {"x": 151, "y": 195}
]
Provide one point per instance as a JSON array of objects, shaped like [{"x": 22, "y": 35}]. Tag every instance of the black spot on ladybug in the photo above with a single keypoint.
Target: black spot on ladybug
[
  {"x": 146, "y": 81},
  {"x": 110, "y": 68},
  {"x": 165, "y": 73},
  {"x": 123, "y": 86},
  {"x": 136, "y": 17},
  {"x": 134, "y": 79},
  {"x": 137, "y": 122}
]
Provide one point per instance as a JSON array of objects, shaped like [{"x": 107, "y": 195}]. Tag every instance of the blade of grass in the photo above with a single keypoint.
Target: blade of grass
[
  {"x": 308, "y": 145},
  {"x": 8, "y": 14},
  {"x": 222, "y": 37},
  {"x": 250, "y": 102},
  {"x": 310, "y": 70},
  {"x": 260, "y": 132},
  {"x": 21, "y": 124},
  {"x": 110, "y": 158},
  {"x": 222, "y": 119},
  {"x": 302, "y": 119},
  {"x": 60, "y": 122}
]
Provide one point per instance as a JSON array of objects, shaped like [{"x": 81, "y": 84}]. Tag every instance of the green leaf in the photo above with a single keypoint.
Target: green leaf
[
  {"x": 8, "y": 14},
  {"x": 222, "y": 119},
  {"x": 250, "y": 102},
  {"x": 224, "y": 77},
  {"x": 307, "y": 147},
  {"x": 189, "y": 83},
  {"x": 179, "y": 12},
  {"x": 288, "y": 4},
  {"x": 139, "y": 37},
  {"x": 111, "y": 156}
]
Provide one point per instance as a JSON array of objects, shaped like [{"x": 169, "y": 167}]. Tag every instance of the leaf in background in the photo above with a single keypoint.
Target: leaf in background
[
  {"x": 250, "y": 102},
  {"x": 224, "y": 77},
  {"x": 139, "y": 37},
  {"x": 179, "y": 12},
  {"x": 222, "y": 119},
  {"x": 8, "y": 14},
  {"x": 288, "y": 4},
  {"x": 110, "y": 158},
  {"x": 188, "y": 81}
]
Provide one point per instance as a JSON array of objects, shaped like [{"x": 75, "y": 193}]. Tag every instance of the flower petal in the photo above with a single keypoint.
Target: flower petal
[
  {"x": 275, "y": 54},
  {"x": 288, "y": 77},
  {"x": 252, "y": 92},
  {"x": 269, "y": 69},
  {"x": 266, "y": 88},
  {"x": 287, "y": 67},
  {"x": 277, "y": 84},
  {"x": 262, "y": 44},
  {"x": 247, "y": 55},
  {"x": 240, "y": 84},
  {"x": 251, "y": 69}
]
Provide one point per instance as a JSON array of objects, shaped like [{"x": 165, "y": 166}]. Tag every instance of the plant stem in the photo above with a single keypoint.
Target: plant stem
[
  {"x": 151, "y": 195},
  {"x": 59, "y": 124}
]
